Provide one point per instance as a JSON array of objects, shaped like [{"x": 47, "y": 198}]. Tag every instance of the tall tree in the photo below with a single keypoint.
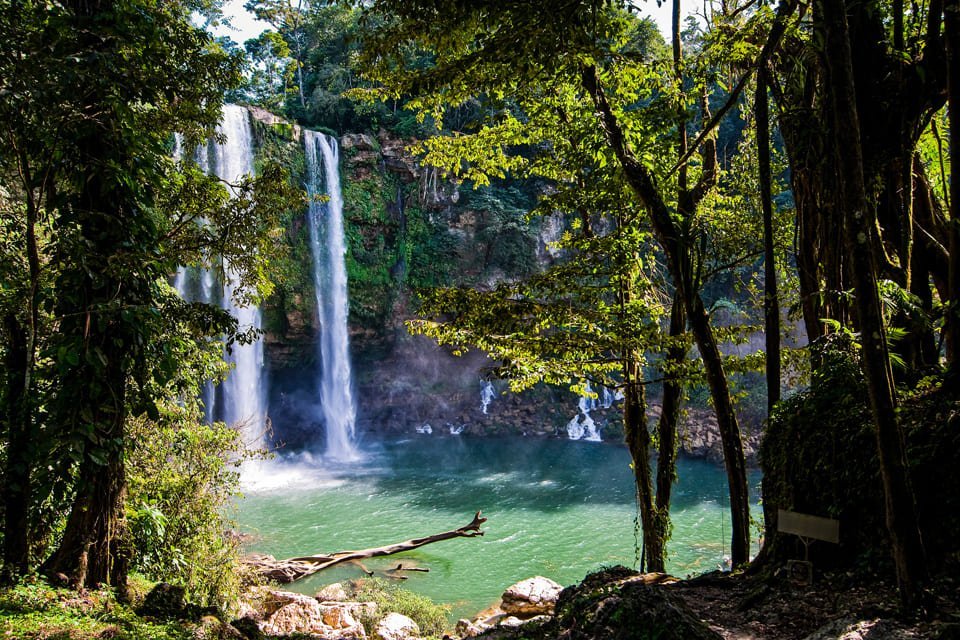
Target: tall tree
[
  {"x": 502, "y": 49},
  {"x": 771, "y": 299},
  {"x": 859, "y": 228},
  {"x": 106, "y": 85}
]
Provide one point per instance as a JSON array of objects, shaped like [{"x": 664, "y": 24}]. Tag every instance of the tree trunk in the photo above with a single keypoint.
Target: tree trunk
[
  {"x": 637, "y": 438},
  {"x": 952, "y": 331},
  {"x": 91, "y": 552},
  {"x": 668, "y": 236},
  {"x": 771, "y": 303},
  {"x": 669, "y": 421},
  {"x": 16, "y": 477},
  {"x": 859, "y": 223}
]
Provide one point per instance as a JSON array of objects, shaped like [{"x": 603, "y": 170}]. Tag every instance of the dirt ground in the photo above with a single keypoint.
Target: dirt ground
[{"x": 834, "y": 606}]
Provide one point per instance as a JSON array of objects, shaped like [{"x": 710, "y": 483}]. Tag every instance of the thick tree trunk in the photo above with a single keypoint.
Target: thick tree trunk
[
  {"x": 952, "y": 21},
  {"x": 293, "y": 569},
  {"x": 16, "y": 476},
  {"x": 771, "y": 299},
  {"x": 859, "y": 220},
  {"x": 91, "y": 552}
]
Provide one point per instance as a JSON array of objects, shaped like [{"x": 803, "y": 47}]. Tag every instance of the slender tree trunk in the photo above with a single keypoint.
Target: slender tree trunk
[
  {"x": 952, "y": 22},
  {"x": 668, "y": 236},
  {"x": 859, "y": 220},
  {"x": 771, "y": 299},
  {"x": 667, "y": 426},
  {"x": 638, "y": 443},
  {"x": 21, "y": 357}
]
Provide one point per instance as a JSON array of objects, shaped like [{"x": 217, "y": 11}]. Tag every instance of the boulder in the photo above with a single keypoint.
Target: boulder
[
  {"x": 165, "y": 602},
  {"x": 280, "y": 613},
  {"x": 302, "y": 616},
  {"x": 267, "y": 601},
  {"x": 396, "y": 626},
  {"x": 531, "y": 597},
  {"x": 212, "y": 628},
  {"x": 332, "y": 593},
  {"x": 468, "y": 629},
  {"x": 359, "y": 141}
]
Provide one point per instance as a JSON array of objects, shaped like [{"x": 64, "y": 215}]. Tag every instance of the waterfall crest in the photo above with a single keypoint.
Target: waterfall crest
[{"x": 328, "y": 246}]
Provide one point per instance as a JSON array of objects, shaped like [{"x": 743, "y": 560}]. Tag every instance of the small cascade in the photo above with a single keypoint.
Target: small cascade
[
  {"x": 582, "y": 426},
  {"x": 609, "y": 398},
  {"x": 487, "y": 394},
  {"x": 327, "y": 242}
]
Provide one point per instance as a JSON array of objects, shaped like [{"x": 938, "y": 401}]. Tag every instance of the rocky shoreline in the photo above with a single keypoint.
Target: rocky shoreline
[{"x": 616, "y": 603}]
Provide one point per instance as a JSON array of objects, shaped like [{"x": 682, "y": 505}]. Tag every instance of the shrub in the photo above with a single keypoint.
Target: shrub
[{"x": 429, "y": 616}]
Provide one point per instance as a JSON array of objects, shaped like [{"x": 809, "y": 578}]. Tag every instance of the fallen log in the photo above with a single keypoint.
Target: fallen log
[{"x": 293, "y": 569}]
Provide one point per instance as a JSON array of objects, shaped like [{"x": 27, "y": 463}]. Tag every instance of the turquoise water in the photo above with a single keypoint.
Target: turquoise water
[{"x": 556, "y": 508}]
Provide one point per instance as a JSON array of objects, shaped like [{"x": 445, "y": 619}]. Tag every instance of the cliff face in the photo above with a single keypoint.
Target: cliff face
[{"x": 408, "y": 229}]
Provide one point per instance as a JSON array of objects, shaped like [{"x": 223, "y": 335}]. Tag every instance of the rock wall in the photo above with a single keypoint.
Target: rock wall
[{"x": 410, "y": 229}]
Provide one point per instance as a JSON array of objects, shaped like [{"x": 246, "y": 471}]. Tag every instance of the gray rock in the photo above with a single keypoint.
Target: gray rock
[
  {"x": 531, "y": 597},
  {"x": 332, "y": 593},
  {"x": 396, "y": 626}
]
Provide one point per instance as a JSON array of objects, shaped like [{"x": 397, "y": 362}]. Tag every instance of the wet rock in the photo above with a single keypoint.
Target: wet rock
[
  {"x": 530, "y": 597},
  {"x": 396, "y": 626}
]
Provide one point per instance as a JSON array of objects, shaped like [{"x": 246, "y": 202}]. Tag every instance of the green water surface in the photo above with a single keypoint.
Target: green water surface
[{"x": 556, "y": 508}]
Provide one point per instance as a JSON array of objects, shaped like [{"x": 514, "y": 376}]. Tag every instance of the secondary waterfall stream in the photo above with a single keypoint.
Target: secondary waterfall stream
[
  {"x": 244, "y": 401},
  {"x": 327, "y": 243}
]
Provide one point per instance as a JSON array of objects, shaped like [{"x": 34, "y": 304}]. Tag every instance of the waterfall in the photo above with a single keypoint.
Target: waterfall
[
  {"x": 487, "y": 393},
  {"x": 327, "y": 243},
  {"x": 582, "y": 426},
  {"x": 244, "y": 402},
  {"x": 243, "y": 393}
]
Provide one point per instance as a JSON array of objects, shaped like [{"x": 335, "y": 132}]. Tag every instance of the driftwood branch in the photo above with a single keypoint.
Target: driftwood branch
[{"x": 293, "y": 569}]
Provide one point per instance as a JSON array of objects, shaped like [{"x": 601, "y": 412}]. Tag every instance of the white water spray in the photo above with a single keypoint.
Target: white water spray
[
  {"x": 487, "y": 394},
  {"x": 582, "y": 426},
  {"x": 327, "y": 242}
]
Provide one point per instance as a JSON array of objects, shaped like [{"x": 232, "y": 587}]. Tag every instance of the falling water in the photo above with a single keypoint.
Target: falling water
[
  {"x": 582, "y": 426},
  {"x": 325, "y": 220},
  {"x": 244, "y": 403},
  {"x": 243, "y": 393},
  {"x": 487, "y": 394}
]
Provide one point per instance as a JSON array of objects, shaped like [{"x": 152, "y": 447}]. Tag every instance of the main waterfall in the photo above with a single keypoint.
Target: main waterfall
[
  {"x": 243, "y": 393},
  {"x": 325, "y": 221}
]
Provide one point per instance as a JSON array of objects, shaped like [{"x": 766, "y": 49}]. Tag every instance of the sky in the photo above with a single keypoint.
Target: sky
[{"x": 246, "y": 26}]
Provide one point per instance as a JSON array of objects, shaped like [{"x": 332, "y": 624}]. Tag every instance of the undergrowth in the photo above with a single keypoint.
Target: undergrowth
[
  {"x": 33, "y": 610},
  {"x": 429, "y": 616}
]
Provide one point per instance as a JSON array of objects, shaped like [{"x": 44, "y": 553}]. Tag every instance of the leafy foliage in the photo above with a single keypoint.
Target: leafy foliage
[{"x": 429, "y": 616}]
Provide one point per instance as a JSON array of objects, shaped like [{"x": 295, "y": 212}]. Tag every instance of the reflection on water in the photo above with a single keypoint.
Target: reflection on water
[{"x": 555, "y": 507}]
